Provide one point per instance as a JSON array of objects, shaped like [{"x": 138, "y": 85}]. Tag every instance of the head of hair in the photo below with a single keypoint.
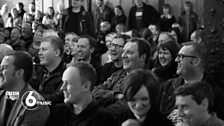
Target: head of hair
[
  {"x": 199, "y": 34},
  {"x": 92, "y": 41},
  {"x": 138, "y": 78},
  {"x": 86, "y": 72},
  {"x": 199, "y": 91},
  {"x": 123, "y": 37},
  {"x": 135, "y": 33},
  {"x": 178, "y": 33},
  {"x": 189, "y": 4},
  {"x": 23, "y": 60},
  {"x": 56, "y": 43},
  {"x": 5, "y": 49},
  {"x": 172, "y": 46},
  {"x": 144, "y": 47},
  {"x": 120, "y": 8},
  {"x": 21, "y": 4},
  {"x": 199, "y": 50}
]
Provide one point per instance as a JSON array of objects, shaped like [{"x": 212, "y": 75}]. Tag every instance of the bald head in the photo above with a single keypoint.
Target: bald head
[{"x": 5, "y": 49}]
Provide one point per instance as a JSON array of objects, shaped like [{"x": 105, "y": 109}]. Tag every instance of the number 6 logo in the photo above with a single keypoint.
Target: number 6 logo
[{"x": 29, "y": 100}]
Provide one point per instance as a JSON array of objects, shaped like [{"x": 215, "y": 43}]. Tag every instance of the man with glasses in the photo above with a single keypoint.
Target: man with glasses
[
  {"x": 191, "y": 63},
  {"x": 115, "y": 50},
  {"x": 136, "y": 54}
]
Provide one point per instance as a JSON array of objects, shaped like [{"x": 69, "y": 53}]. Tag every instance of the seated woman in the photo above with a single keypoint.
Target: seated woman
[
  {"x": 166, "y": 66},
  {"x": 142, "y": 96}
]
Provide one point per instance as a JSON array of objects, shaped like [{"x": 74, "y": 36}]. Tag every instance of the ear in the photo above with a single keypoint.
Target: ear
[
  {"x": 205, "y": 104},
  {"x": 19, "y": 73},
  {"x": 143, "y": 57},
  {"x": 87, "y": 86},
  {"x": 57, "y": 52},
  {"x": 92, "y": 49},
  {"x": 196, "y": 61}
]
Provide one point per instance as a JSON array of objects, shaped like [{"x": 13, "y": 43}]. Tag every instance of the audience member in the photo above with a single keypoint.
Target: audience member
[
  {"x": 177, "y": 35},
  {"x": 115, "y": 50},
  {"x": 166, "y": 18},
  {"x": 70, "y": 47},
  {"x": 4, "y": 12},
  {"x": 58, "y": 16},
  {"x": 191, "y": 64},
  {"x": 194, "y": 103},
  {"x": 16, "y": 42},
  {"x": 16, "y": 19},
  {"x": 141, "y": 94},
  {"x": 16, "y": 70},
  {"x": 119, "y": 17},
  {"x": 166, "y": 67},
  {"x": 102, "y": 13},
  {"x": 48, "y": 19},
  {"x": 80, "y": 109},
  {"x": 141, "y": 15},
  {"x": 188, "y": 20},
  {"x": 20, "y": 9},
  {"x": 120, "y": 28},
  {"x": 27, "y": 34},
  {"x": 78, "y": 20},
  {"x": 85, "y": 47},
  {"x": 47, "y": 78},
  {"x": 197, "y": 36}
]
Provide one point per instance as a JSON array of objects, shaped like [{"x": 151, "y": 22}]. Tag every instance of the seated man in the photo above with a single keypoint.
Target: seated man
[
  {"x": 79, "y": 109},
  {"x": 47, "y": 75},
  {"x": 16, "y": 108},
  {"x": 194, "y": 102}
]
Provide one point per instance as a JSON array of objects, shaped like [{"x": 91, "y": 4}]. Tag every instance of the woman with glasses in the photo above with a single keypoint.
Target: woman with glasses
[
  {"x": 166, "y": 66},
  {"x": 142, "y": 96}
]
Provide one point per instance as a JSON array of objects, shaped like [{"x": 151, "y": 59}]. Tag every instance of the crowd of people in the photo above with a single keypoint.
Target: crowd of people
[{"x": 112, "y": 70}]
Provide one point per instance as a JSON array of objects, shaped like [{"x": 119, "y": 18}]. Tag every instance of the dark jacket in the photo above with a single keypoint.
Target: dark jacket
[
  {"x": 93, "y": 115},
  {"x": 189, "y": 24},
  {"x": 21, "y": 116},
  {"x": 107, "y": 70},
  {"x": 48, "y": 84},
  {"x": 167, "y": 102},
  {"x": 150, "y": 15},
  {"x": 153, "y": 118},
  {"x": 166, "y": 23},
  {"x": 86, "y": 23},
  {"x": 107, "y": 15},
  {"x": 118, "y": 20}
]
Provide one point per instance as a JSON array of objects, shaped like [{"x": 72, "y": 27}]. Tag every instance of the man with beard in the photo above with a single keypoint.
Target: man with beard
[
  {"x": 115, "y": 50},
  {"x": 27, "y": 34},
  {"x": 85, "y": 51},
  {"x": 17, "y": 96}
]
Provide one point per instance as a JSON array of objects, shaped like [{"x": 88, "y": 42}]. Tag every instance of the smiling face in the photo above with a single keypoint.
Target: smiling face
[
  {"x": 47, "y": 53},
  {"x": 72, "y": 85},
  {"x": 191, "y": 112},
  {"x": 116, "y": 49},
  {"x": 8, "y": 72},
  {"x": 185, "y": 66},
  {"x": 84, "y": 49},
  {"x": 71, "y": 44},
  {"x": 164, "y": 56},
  {"x": 15, "y": 34},
  {"x": 130, "y": 57},
  {"x": 140, "y": 103}
]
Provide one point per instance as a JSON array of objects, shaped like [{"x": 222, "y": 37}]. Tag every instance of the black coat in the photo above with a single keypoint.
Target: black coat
[
  {"x": 150, "y": 15},
  {"x": 93, "y": 115}
]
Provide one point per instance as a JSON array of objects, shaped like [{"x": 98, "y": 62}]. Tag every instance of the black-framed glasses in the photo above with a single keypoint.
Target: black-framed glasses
[
  {"x": 117, "y": 46},
  {"x": 182, "y": 56}
]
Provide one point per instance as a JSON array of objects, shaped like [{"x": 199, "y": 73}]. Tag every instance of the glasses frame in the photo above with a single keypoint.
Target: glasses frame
[{"x": 182, "y": 56}]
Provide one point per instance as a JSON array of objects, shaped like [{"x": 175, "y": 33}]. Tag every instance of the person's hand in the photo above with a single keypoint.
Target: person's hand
[{"x": 131, "y": 122}]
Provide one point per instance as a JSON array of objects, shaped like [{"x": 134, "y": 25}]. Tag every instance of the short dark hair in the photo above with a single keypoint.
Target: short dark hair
[
  {"x": 143, "y": 47},
  {"x": 199, "y": 91},
  {"x": 56, "y": 42},
  {"x": 92, "y": 41},
  {"x": 138, "y": 78},
  {"x": 123, "y": 37},
  {"x": 86, "y": 71},
  {"x": 23, "y": 60},
  {"x": 200, "y": 50}
]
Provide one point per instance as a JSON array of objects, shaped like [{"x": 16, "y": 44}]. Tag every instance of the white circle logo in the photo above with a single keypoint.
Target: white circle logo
[{"x": 29, "y": 100}]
